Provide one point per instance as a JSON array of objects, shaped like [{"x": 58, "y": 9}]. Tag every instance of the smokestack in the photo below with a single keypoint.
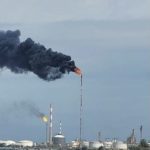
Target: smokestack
[
  {"x": 46, "y": 133},
  {"x": 81, "y": 110},
  {"x": 28, "y": 56},
  {"x": 32, "y": 110},
  {"x": 50, "y": 125}
]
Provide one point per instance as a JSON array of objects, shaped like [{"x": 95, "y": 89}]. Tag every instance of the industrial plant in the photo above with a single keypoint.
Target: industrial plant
[{"x": 58, "y": 141}]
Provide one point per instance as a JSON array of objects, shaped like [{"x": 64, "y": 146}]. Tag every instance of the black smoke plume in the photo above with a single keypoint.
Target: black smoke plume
[{"x": 21, "y": 57}]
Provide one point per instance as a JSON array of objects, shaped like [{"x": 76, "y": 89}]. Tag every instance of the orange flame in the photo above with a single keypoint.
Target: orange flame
[{"x": 77, "y": 71}]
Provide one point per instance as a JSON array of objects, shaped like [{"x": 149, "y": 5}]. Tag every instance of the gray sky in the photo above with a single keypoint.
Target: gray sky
[
  {"x": 60, "y": 10},
  {"x": 108, "y": 39}
]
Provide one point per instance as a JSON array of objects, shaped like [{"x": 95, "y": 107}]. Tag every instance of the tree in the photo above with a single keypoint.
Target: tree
[{"x": 143, "y": 143}]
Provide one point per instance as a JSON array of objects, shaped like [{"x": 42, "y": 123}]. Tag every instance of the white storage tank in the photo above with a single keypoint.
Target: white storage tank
[
  {"x": 8, "y": 142},
  {"x": 95, "y": 145},
  {"x": 108, "y": 144},
  {"x": 119, "y": 145},
  {"x": 25, "y": 143}
]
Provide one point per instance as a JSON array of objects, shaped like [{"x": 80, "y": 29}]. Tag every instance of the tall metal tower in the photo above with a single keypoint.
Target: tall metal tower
[
  {"x": 46, "y": 132},
  {"x": 141, "y": 132},
  {"x": 81, "y": 112},
  {"x": 50, "y": 125},
  {"x": 60, "y": 128}
]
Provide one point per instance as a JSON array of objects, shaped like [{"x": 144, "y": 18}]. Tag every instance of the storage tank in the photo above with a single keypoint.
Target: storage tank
[
  {"x": 119, "y": 145},
  {"x": 95, "y": 145},
  {"x": 8, "y": 142},
  {"x": 59, "y": 140},
  {"x": 74, "y": 144},
  {"x": 85, "y": 144},
  {"x": 108, "y": 144},
  {"x": 25, "y": 143}
]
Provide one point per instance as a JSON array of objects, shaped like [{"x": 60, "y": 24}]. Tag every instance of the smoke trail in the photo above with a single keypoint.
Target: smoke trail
[
  {"x": 21, "y": 57},
  {"x": 30, "y": 108}
]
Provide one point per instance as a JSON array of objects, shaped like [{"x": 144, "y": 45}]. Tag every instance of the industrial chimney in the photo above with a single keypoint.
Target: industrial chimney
[{"x": 50, "y": 126}]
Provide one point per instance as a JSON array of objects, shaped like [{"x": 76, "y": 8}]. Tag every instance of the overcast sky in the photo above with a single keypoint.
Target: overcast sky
[
  {"x": 109, "y": 41},
  {"x": 56, "y": 10}
]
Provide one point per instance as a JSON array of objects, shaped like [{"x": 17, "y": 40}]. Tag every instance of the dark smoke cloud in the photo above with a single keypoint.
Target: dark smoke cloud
[{"x": 21, "y": 57}]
